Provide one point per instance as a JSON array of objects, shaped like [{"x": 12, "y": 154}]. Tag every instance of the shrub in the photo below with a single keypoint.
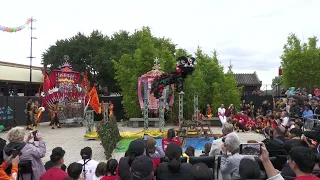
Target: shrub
[{"x": 109, "y": 135}]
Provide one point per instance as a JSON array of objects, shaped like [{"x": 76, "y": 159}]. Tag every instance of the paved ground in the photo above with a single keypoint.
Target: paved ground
[{"x": 71, "y": 139}]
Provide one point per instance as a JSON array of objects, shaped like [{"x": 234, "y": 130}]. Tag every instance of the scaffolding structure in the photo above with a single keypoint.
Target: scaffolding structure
[
  {"x": 196, "y": 107},
  {"x": 161, "y": 114},
  {"x": 181, "y": 119}
]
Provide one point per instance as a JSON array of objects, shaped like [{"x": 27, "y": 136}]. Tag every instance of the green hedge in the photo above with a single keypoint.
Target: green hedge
[{"x": 109, "y": 135}]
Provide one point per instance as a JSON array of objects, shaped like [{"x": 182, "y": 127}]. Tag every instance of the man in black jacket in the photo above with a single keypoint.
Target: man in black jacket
[
  {"x": 294, "y": 109},
  {"x": 275, "y": 145},
  {"x": 265, "y": 107}
]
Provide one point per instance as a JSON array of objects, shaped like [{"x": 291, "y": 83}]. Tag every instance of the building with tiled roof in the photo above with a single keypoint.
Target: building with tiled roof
[
  {"x": 15, "y": 78},
  {"x": 248, "y": 81}
]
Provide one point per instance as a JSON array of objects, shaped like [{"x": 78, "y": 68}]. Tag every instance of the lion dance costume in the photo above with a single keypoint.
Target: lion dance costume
[{"x": 185, "y": 66}]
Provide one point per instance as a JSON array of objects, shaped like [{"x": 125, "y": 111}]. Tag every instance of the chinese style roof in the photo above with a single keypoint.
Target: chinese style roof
[
  {"x": 154, "y": 72},
  {"x": 247, "y": 79}
]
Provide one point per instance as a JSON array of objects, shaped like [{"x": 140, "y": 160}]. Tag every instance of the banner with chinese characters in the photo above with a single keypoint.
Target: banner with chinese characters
[{"x": 63, "y": 79}]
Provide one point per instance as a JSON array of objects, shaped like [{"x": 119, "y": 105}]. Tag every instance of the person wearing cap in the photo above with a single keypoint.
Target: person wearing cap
[
  {"x": 294, "y": 108},
  {"x": 49, "y": 164},
  {"x": 142, "y": 168},
  {"x": 135, "y": 149},
  {"x": 173, "y": 169},
  {"x": 89, "y": 165},
  {"x": 55, "y": 172}
]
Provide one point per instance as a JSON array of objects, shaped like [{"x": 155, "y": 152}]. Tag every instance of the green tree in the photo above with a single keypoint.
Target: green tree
[
  {"x": 81, "y": 50},
  {"x": 231, "y": 94},
  {"x": 300, "y": 63},
  {"x": 97, "y": 51},
  {"x": 129, "y": 68},
  {"x": 277, "y": 80}
]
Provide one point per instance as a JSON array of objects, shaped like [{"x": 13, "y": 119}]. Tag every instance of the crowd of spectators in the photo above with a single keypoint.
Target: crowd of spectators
[
  {"x": 283, "y": 156},
  {"x": 289, "y": 151}
]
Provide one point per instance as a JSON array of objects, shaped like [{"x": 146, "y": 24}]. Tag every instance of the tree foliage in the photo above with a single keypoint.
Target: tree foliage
[
  {"x": 211, "y": 84},
  {"x": 300, "y": 63},
  {"x": 97, "y": 51},
  {"x": 129, "y": 68},
  {"x": 118, "y": 60},
  {"x": 277, "y": 80}
]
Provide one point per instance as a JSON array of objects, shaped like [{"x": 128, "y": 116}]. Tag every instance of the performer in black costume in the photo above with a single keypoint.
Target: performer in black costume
[
  {"x": 54, "y": 115},
  {"x": 29, "y": 114}
]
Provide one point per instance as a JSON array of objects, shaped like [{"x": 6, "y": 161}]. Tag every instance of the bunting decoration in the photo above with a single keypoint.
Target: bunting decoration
[{"x": 15, "y": 29}]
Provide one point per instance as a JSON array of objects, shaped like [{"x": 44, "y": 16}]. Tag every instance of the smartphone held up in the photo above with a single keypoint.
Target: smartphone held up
[
  {"x": 250, "y": 149},
  {"x": 34, "y": 135}
]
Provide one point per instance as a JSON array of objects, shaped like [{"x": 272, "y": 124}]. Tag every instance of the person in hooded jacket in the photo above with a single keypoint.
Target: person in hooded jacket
[
  {"x": 174, "y": 169},
  {"x": 28, "y": 151},
  {"x": 136, "y": 148}
]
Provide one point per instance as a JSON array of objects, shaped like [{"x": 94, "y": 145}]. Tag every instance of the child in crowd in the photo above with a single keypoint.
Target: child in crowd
[
  {"x": 207, "y": 148},
  {"x": 152, "y": 150},
  {"x": 75, "y": 171},
  {"x": 171, "y": 138},
  {"x": 111, "y": 170},
  {"x": 189, "y": 152},
  {"x": 100, "y": 171}
]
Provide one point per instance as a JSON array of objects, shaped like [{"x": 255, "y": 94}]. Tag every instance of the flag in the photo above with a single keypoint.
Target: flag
[
  {"x": 94, "y": 101},
  {"x": 45, "y": 87}
]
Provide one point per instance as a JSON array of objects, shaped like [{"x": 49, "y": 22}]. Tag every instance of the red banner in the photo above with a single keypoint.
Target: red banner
[
  {"x": 94, "y": 102},
  {"x": 59, "y": 78}
]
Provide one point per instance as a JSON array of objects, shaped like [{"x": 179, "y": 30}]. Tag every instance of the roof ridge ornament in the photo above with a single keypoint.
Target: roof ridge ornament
[{"x": 156, "y": 65}]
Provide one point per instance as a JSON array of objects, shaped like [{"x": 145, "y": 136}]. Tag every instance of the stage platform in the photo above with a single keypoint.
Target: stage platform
[
  {"x": 138, "y": 122},
  {"x": 215, "y": 121},
  {"x": 197, "y": 143}
]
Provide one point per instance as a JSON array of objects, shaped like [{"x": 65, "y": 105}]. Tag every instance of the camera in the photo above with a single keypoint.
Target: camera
[
  {"x": 15, "y": 153},
  {"x": 34, "y": 134},
  {"x": 224, "y": 139}
]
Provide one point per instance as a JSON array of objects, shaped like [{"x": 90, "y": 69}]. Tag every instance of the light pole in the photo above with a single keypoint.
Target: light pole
[{"x": 31, "y": 57}]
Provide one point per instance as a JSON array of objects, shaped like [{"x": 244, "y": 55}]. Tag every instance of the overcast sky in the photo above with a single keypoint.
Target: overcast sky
[{"x": 249, "y": 32}]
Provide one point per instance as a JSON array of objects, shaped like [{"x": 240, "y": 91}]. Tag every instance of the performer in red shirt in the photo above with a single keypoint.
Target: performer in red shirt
[
  {"x": 171, "y": 138},
  {"x": 250, "y": 124},
  {"x": 259, "y": 124}
]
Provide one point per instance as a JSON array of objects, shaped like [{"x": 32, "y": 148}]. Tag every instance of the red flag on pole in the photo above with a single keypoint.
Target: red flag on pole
[
  {"x": 46, "y": 86},
  {"x": 94, "y": 101}
]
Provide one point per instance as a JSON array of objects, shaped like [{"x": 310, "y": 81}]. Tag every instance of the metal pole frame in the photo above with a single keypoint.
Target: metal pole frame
[
  {"x": 146, "y": 108},
  {"x": 161, "y": 113},
  {"x": 89, "y": 116},
  {"x": 181, "y": 119},
  {"x": 106, "y": 113},
  {"x": 31, "y": 57},
  {"x": 195, "y": 107}
]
